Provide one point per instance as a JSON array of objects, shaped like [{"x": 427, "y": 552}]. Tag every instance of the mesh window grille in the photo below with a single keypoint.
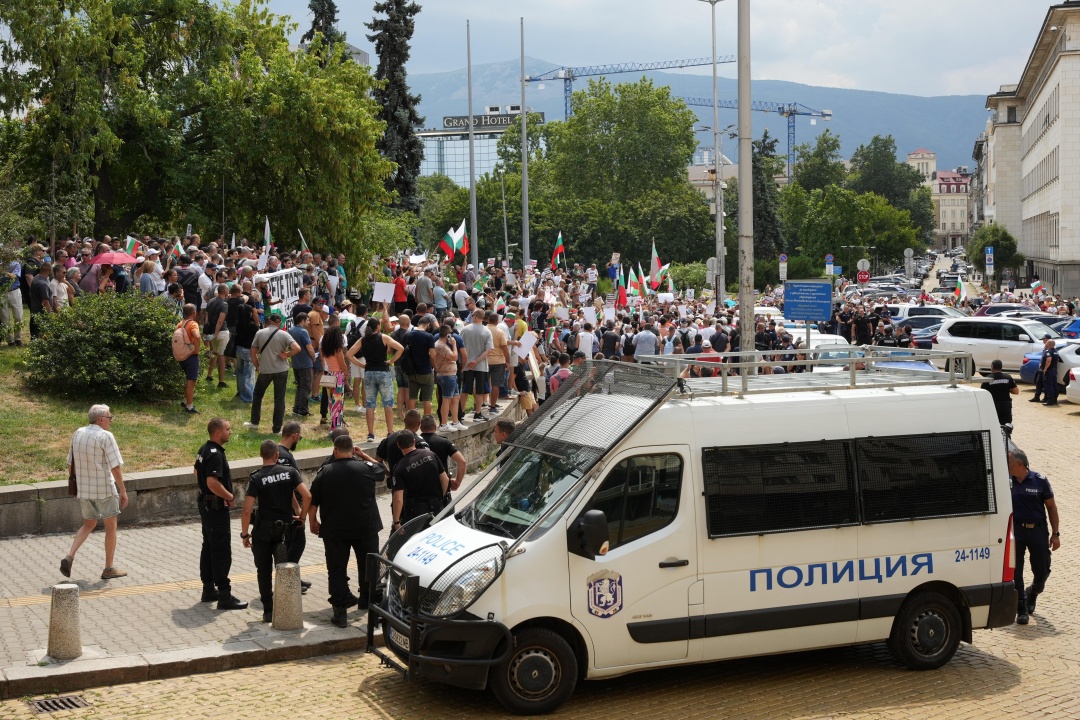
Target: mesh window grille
[
  {"x": 776, "y": 488},
  {"x": 925, "y": 476},
  {"x": 801, "y": 486}
]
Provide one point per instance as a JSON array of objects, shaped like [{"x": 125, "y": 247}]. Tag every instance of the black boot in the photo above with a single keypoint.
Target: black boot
[
  {"x": 1022, "y": 611},
  {"x": 209, "y": 594},
  {"x": 1031, "y": 596},
  {"x": 268, "y": 611},
  {"x": 340, "y": 618},
  {"x": 228, "y": 602}
]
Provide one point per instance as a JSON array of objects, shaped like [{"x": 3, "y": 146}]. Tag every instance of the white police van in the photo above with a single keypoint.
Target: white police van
[{"x": 640, "y": 521}]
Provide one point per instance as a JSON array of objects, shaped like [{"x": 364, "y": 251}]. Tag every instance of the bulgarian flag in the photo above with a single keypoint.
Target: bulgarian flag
[
  {"x": 176, "y": 250},
  {"x": 454, "y": 241},
  {"x": 267, "y": 244},
  {"x": 635, "y": 282},
  {"x": 655, "y": 270},
  {"x": 560, "y": 249},
  {"x": 500, "y": 305},
  {"x": 961, "y": 291},
  {"x": 131, "y": 245},
  {"x": 643, "y": 280},
  {"x": 660, "y": 275},
  {"x": 303, "y": 243},
  {"x": 620, "y": 298},
  {"x": 1035, "y": 285}
]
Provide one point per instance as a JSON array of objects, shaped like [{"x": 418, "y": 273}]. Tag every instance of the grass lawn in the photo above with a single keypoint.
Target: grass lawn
[{"x": 36, "y": 429}]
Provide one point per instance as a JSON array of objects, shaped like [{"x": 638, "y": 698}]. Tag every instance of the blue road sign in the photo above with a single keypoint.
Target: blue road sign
[
  {"x": 783, "y": 257},
  {"x": 828, "y": 258},
  {"x": 808, "y": 300}
]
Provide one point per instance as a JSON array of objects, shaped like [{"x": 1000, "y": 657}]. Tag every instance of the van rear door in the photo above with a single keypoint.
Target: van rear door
[{"x": 634, "y": 601}]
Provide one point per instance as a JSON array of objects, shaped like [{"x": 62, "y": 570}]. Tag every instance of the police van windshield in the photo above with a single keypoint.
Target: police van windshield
[{"x": 528, "y": 485}]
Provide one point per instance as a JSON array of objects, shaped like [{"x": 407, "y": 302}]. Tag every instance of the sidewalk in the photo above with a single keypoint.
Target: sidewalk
[{"x": 151, "y": 623}]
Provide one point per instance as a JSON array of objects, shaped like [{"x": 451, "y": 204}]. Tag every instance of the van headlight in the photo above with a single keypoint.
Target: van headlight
[{"x": 462, "y": 583}]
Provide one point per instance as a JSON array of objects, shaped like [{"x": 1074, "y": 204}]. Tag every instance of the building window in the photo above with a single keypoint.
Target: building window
[{"x": 1010, "y": 114}]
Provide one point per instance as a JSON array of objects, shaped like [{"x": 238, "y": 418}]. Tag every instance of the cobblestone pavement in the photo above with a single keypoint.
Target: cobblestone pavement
[{"x": 1014, "y": 672}]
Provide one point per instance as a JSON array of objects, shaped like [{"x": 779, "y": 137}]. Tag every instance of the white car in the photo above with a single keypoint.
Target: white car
[
  {"x": 1072, "y": 390},
  {"x": 993, "y": 338}
]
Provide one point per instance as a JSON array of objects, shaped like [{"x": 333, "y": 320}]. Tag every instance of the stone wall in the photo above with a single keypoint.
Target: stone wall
[{"x": 171, "y": 494}]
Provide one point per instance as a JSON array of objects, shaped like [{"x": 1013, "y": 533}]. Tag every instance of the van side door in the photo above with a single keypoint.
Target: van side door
[{"x": 634, "y": 600}]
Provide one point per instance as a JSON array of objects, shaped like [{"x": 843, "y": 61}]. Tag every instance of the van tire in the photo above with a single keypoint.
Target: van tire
[
  {"x": 538, "y": 676},
  {"x": 926, "y": 632}
]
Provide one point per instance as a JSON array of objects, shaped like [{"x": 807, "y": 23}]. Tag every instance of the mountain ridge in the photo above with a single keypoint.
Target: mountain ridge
[{"x": 945, "y": 124}]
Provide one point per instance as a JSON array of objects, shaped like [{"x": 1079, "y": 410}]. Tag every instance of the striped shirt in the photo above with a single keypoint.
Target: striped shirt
[{"x": 94, "y": 453}]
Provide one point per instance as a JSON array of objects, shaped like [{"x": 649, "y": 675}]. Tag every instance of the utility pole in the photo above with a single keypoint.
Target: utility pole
[
  {"x": 720, "y": 279},
  {"x": 474, "y": 243},
  {"x": 746, "y": 191},
  {"x": 524, "y": 161},
  {"x": 506, "y": 229}
]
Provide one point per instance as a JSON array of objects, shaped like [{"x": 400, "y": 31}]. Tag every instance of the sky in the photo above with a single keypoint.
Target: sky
[{"x": 916, "y": 47}]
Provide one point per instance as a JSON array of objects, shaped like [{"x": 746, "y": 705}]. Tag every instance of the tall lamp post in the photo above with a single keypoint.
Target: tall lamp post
[
  {"x": 506, "y": 229},
  {"x": 719, "y": 281}
]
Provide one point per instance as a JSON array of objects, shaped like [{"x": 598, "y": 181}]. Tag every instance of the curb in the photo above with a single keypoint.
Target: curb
[{"x": 275, "y": 646}]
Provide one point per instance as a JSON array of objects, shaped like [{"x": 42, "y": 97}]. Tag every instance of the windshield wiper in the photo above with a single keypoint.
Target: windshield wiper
[{"x": 493, "y": 526}]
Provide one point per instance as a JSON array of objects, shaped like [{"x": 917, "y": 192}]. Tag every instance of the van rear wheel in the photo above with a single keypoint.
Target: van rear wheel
[
  {"x": 926, "y": 632},
  {"x": 538, "y": 676}
]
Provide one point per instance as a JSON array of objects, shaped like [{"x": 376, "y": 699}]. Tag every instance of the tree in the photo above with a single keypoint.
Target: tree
[
  {"x": 323, "y": 21},
  {"x": 839, "y": 217},
  {"x": 792, "y": 209},
  {"x": 399, "y": 143},
  {"x": 874, "y": 168},
  {"x": 820, "y": 165},
  {"x": 768, "y": 235},
  {"x": 1006, "y": 254}
]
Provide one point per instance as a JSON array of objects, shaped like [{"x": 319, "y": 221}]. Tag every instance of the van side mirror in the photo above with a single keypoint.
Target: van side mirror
[
  {"x": 1024, "y": 337},
  {"x": 588, "y": 535}
]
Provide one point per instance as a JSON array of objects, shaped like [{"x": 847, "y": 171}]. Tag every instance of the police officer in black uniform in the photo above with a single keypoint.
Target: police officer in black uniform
[
  {"x": 343, "y": 497},
  {"x": 887, "y": 338},
  {"x": 1001, "y": 387},
  {"x": 420, "y": 482},
  {"x": 273, "y": 485},
  {"x": 215, "y": 499},
  {"x": 1033, "y": 501},
  {"x": 445, "y": 449},
  {"x": 291, "y": 433},
  {"x": 1049, "y": 369}
]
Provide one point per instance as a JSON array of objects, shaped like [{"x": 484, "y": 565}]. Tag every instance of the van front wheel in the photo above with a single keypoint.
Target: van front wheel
[
  {"x": 926, "y": 632},
  {"x": 538, "y": 676}
]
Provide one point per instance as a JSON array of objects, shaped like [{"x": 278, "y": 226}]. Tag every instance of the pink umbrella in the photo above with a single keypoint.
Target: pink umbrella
[{"x": 114, "y": 258}]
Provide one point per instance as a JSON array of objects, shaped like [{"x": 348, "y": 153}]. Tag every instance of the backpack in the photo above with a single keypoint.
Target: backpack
[
  {"x": 182, "y": 349},
  {"x": 356, "y": 331}
]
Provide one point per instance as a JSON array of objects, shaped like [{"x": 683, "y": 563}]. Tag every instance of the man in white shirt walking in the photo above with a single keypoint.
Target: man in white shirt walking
[{"x": 95, "y": 460}]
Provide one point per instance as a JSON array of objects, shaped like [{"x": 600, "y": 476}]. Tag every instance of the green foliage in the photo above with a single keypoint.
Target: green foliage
[
  {"x": 106, "y": 346},
  {"x": 323, "y": 21},
  {"x": 820, "y": 165},
  {"x": 1006, "y": 254},
  {"x": 800, "y": 267},
  {"x": 399, "y": 143},
  {"x": 689, "y": 275},
  {"x": 838, "y": 217},
  {"x": 604, "y": 285},
  {"x": 768, "y": 236},
  {"x": 875, "y": 169},
  {"x": 145, "y": 109},
  {"x": 613, "y": 178}
]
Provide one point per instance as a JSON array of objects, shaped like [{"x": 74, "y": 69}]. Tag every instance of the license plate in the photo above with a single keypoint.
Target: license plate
[{"x": 399, "y": 639}]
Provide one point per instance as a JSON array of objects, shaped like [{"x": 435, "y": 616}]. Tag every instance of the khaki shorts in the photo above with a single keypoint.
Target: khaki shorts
[
  {"x": 101, "y": 508},
  {"x": 220, "y": 341}
]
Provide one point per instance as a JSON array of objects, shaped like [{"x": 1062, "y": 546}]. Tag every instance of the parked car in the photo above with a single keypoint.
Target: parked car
[
  {"x": 924, "y": 339},
  {"x": 1070, "y": 360},
  {"x": 999, "y": 308},
  {"x": 1070, "y": 328},
  {"x": 992, "y": 338},
  {"x": 1072, "y": 390}
]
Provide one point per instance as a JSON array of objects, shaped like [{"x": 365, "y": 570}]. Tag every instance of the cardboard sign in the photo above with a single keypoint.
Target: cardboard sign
[
  {"x": 286, "y": 285},
  {"x": 614, "y": 258},
  {"x": 609, "y": 313},
  {"x": 590, "y": 315},
  {"x": 383, "y": 293},
  {"x": 562, "y": 313}
]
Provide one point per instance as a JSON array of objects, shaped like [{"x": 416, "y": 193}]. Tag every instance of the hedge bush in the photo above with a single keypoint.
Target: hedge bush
[{"x": 107, "y": 346}]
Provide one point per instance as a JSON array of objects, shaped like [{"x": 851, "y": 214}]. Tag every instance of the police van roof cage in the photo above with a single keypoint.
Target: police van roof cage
[{"x": 834, "y": 367}]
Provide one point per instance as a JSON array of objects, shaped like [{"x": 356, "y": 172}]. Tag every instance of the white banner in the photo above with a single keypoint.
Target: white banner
[{"x": 285, "y": 285}]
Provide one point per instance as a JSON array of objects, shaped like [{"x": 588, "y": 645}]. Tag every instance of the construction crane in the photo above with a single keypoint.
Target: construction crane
[
  {"x": 788, "y": 110},
  {"x": 567, "y": 74}
]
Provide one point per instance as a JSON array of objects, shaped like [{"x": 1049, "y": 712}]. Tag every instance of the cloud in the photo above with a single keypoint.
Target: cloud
[{"x": 921, "y": 47}]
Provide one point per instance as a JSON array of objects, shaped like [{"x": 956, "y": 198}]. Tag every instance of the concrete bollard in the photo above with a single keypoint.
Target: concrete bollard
[
  {"x": 288, "y": 602},
  {"x": 65, "y": 635}
]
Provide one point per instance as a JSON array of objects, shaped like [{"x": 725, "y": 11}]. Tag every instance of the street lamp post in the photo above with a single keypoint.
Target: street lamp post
[
  {"x": 506, "y": 229},
  {"x": 719, "y": 281}
]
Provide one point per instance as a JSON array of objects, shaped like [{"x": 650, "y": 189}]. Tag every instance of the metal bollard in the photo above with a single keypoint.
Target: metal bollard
[
  {"x": 288, "y": 602},
  {"x": 65, "y": 635}
]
